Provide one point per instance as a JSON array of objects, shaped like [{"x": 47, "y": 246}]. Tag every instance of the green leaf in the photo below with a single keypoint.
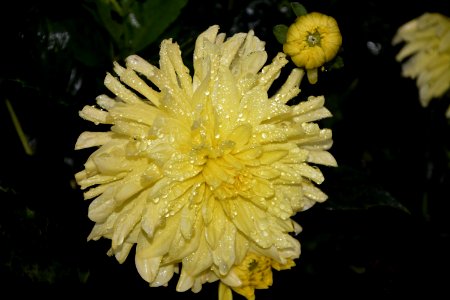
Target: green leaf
[
  {"x": 299, "y": 10},
  {"x": 133, "y": 25},
  {"x": 154, "y": 17},
  {"x": 280, "y": 32},
  {"x": 83, "y": 36}
]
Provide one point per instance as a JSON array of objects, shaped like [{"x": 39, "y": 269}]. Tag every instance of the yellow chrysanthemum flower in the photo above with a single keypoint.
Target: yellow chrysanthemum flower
[
  {"x": 311, "y": 41},
  {"x": 200, "y": 171},
  {"x": 427, "y": 54},
  {"x": 255, "y": 272}
]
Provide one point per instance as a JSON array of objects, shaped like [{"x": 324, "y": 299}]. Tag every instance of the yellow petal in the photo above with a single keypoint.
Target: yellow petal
[
  {"x": 225, "y": 292},
  {"x": 120, "y": 90},
  {"x": 127, "y": 220},
  {"x": 165, "y": 273},
  {"x": 197, "y": 262},
  {"x": 241, "y": 135},
  {"x": 147, "y": 267},
  {"x": 91, "y": 139},
  {"x": 224, "y": 252},
  {"x": 312, "y": 75},
  {"x": 102, "y": 206},
  {"x": 322, "y": 157},
  {"x": 95, "y": 115}
]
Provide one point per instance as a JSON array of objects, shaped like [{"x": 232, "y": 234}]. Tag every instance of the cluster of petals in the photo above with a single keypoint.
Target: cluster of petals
[
  {"x": 198, "y": 172},
  {"x": 425, "y": 55}
]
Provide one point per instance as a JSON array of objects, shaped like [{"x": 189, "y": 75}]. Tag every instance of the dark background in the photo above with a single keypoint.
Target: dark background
[{"x": 384, "y": 231}]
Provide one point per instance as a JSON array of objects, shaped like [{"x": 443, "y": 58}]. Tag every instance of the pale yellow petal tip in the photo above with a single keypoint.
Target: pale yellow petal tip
[
  {"x": 89, "y": 139},
  {"x": 312, "y": 75},
  {"x": 225, "y": 292}
]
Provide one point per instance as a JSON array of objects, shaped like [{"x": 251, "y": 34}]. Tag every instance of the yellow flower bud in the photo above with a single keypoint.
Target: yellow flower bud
[
  {"x": 311, "y": 41},
  {"x": 255, "y": 272}
]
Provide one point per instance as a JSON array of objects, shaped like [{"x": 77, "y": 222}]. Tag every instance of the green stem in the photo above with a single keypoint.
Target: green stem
[{"x": 18, "y": 127}]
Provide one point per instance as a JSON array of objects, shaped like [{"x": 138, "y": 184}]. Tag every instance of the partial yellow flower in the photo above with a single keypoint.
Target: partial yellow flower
[
  {"x": 311, "y": 41},
  {"x": 255, "y": 272},
  {"x": 426, "y": 54},
  {"x": 200, "y": 171}
]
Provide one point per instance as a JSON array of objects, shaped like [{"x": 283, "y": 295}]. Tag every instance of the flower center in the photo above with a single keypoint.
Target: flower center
[{"x": 313, "y": 38}]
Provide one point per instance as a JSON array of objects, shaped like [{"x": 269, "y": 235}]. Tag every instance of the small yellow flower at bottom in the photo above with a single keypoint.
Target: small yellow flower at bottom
[
  {"x": 312, "y": 40},
  {"x": 255, "y": 272}
]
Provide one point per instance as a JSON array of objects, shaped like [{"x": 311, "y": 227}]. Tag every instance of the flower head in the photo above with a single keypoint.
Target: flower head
[
  {"x": 255, "y": 272},
  {"x": 199, "y": 172},
  {"x": 311, "y": 41},
  {"x": 426, "y": 54}
]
